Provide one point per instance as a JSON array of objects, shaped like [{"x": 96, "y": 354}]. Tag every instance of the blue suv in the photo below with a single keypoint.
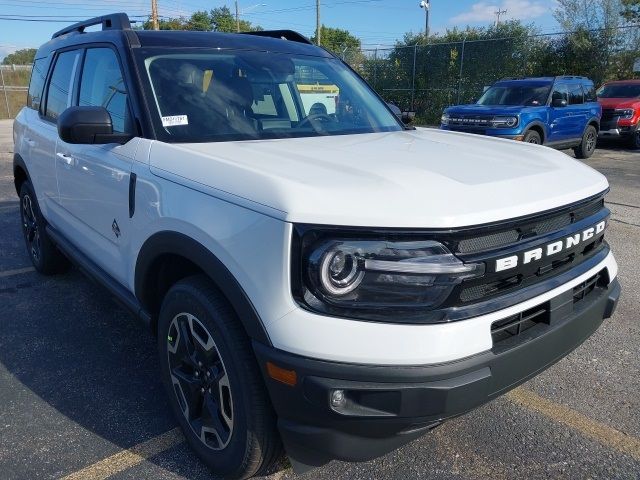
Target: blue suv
[{"x": 561, "y": 112}]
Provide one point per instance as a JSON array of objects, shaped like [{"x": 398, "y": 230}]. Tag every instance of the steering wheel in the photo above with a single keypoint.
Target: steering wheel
[{"x": 321, "y": 117}]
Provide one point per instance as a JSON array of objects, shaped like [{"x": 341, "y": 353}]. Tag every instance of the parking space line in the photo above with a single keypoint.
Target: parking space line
[
  {"x": 131, "y": 457},
  {"x": 8, "y": 208},
  {"x": 17, "y": 271},
  {"x": 606, "y": 435}
]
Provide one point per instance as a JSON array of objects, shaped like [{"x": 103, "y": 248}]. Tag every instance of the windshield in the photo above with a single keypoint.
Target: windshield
[
  {"x": 522, "y": 95},
  {"x": 202, "y": 95},
  {"x": 619, "y": 91}
]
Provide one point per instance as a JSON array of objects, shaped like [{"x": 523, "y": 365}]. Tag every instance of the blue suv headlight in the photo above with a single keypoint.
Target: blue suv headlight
[{"x": 507, "y": 121}]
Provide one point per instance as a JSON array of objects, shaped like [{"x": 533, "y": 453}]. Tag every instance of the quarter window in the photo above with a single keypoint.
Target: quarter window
[
  {"x": 36, "y": 85},
  {"x": 590, "y": 93},
  {"x": 102, "y": 85},
  {"x": 576, "y": 96},
  {"x": 59, "y": 96}
]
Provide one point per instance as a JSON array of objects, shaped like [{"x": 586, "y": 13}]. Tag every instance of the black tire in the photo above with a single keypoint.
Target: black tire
[
  {"x": 213, "y": 381},
  {"x": 45, "y": 256},
  {"x": 634, "y": 140},
  {"x": 588, "y": 144},
  {"x": 532, "y": 137}
]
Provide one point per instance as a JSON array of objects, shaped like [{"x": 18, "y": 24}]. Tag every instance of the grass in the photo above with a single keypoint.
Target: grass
[{"x": 17, "y": 100}]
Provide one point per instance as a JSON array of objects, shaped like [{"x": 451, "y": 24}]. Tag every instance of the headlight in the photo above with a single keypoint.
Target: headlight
[
  {"x": 505, "y": 122},
  {"x": 627, "y": 113},
  {"x": 444, "y": 120},
  {"x": 389, "y": 280}
]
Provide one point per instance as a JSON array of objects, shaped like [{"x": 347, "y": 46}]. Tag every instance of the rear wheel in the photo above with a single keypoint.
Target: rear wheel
[
  {"x": 532, "y": 137},
  {"x": 214, "y": 384},
  {"x": 588, "y": 144},
  {"x": 44, "y": 255}
]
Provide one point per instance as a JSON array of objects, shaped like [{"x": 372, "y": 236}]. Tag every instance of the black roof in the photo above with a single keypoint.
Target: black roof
[
  {"x": 115, "y": 29},
  {"x": 176, "y": 38}
]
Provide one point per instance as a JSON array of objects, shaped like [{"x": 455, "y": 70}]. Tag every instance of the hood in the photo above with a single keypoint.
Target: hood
[
  {"x": 424, "y": 178},
  {"x": 619, "y": 102},
  {"x": 476, "y": 109}
]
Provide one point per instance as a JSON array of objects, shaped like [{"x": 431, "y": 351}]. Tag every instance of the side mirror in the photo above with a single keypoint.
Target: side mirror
[
  {"x": 88, "y": 125},
  {"x": 408, "y": 117},
  {"x": 559, "y": 102}
]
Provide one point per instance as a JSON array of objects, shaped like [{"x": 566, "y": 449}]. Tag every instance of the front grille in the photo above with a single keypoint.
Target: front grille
[
  {"x": 474, "y": 121},
  {"x": 528, "y": 228},
  {"x": 519, "y": 328},
  {"x": 519, "y": 236},
  {"x": 610, "y": 119}
]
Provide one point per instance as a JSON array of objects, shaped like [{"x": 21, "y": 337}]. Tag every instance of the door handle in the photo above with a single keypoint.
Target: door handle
[{"x": 66, "y": 159}]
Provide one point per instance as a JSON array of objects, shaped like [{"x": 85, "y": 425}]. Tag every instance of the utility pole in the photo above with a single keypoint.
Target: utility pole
[
  {"x": 426, "y": 4},
  {"x": 154, "y": 15},
  {"x": 237, "y": 18},
  {"x": 318, "y": 27},
  {"x": 499, "y": 13}
]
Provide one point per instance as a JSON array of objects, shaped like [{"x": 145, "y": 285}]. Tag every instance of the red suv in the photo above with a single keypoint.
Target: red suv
[{"x": 620, "y": 110}]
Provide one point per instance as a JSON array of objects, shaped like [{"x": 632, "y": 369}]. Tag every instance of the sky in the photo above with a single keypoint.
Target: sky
[{"x": 375, "y": 22}]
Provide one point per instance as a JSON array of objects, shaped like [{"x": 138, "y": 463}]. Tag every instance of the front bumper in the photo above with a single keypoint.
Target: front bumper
[
  {"x": 618, "y": 131},
  {"x": 388, "y": 406}
]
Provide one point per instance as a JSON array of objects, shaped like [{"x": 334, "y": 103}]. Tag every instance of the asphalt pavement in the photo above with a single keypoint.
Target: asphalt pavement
[{"x": 81, "y": 397}]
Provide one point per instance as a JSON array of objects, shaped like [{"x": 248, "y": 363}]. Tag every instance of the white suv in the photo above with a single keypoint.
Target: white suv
[{"x": 320, "y": 277}]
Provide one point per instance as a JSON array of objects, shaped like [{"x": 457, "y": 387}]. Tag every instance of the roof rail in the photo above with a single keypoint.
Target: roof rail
[
  {"x": 282, "y": 34},
  {"x": 113, "y": 21},
  {"x": 571, "y": 77}
]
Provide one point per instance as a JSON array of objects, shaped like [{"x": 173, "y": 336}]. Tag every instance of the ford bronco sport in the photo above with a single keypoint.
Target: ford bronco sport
[
  {"x": 620, "y": 102},
  {"x": 561, "y": 112},
  {"x": 321, "y": 279}
]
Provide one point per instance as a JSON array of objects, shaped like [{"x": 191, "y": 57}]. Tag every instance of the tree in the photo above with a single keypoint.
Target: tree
[
  {"x": 24, "y": 56},
  {"x": 337, "y": 40},
  {"x": 631, "y": 10},
  {"x": 218, "y": 20},
  {"x": 575, "y": 14}
]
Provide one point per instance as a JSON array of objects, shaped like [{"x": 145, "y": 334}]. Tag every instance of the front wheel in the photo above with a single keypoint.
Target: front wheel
[
  {"x": 532, "y": 137},
  {"x": 215, "y": 387},
  {"x": 588, "y": 144},
  {"x": 634, "y": 141}
]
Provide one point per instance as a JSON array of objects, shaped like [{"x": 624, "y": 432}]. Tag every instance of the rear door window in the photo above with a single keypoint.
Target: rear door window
[
  {"x": 60, "y": 90},
  {"x": 102, "y": 85}
]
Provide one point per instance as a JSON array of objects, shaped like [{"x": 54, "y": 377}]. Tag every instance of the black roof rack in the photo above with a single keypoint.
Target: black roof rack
[
  {"x": 282, "y": 34},
  {"x": 113, "y": 21}
]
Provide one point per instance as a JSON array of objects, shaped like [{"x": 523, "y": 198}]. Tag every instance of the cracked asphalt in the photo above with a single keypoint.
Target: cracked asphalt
[{"x": 79, "y": 382}]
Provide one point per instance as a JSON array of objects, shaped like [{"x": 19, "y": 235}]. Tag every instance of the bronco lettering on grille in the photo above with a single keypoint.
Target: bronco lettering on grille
[{"x": 553, "y": 248}]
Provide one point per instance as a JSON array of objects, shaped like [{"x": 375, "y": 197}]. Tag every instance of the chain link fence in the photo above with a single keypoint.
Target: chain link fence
[
  {"x": 14, "y": 83},
  {"x": 428, "y": 78}
]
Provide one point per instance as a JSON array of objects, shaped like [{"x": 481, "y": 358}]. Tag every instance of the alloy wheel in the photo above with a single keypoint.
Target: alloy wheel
[
  {"x": 31, "y": 227},
  {"x": 591, "y": 141},
  {"x": 200, "y": 381}
]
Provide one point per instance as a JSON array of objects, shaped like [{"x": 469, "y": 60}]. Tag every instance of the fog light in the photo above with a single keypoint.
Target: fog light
[{"x": 338, "y": 400}]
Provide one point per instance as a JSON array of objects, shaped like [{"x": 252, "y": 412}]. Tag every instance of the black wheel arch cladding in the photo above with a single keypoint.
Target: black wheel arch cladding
[{"x": 178, "y": 244}]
